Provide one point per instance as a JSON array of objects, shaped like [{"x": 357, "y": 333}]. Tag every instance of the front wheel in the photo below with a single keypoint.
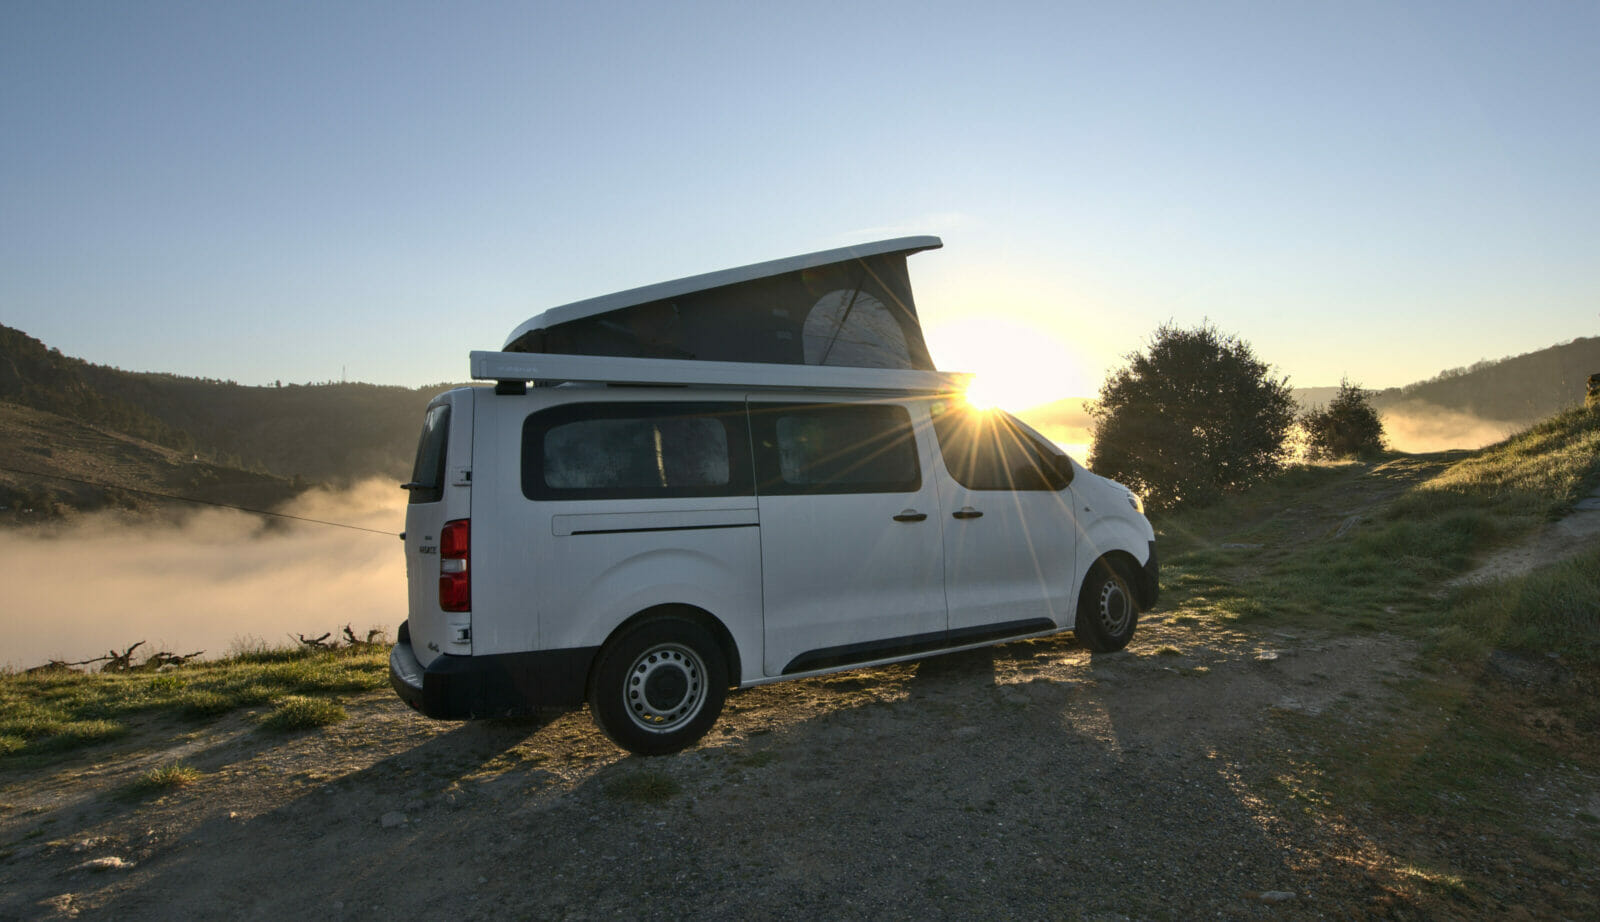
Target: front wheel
[
  {"x": 658, "y": 686},
  {"x": 1107, "y": 612}
]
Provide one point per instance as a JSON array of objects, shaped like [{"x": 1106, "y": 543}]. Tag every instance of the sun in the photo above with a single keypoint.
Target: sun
[
  {"x": 981, "y": 395},
  {"x": 1015, "y": 366}
]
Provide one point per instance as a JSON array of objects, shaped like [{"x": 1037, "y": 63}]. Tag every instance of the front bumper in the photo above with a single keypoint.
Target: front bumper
[{"x": 1149, "y": 582}]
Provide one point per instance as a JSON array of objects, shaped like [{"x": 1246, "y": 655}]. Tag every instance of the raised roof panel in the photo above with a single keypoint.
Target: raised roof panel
[{"x": 849, "y": 307}]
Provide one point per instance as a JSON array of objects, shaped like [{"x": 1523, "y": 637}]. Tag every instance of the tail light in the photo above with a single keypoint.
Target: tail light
[{"x": 455, "y": 575}]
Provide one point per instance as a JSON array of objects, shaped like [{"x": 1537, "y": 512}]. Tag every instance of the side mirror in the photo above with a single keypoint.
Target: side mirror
[{"x": 1065, "y": 469}]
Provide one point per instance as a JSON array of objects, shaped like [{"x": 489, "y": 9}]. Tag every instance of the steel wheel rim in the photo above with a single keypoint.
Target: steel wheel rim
[
  {"x": 1115, "y": 608},
  {"x": 665, "y": 688}
]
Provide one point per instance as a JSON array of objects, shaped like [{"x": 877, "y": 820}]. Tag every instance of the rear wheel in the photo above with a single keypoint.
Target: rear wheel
[
  {"x": 1107, "y": 612},
  {"x": 659, "y": 685}
]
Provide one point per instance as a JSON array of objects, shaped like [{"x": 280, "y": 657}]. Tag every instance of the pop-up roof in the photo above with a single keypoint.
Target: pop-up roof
[{"x": 846, "y": 307}]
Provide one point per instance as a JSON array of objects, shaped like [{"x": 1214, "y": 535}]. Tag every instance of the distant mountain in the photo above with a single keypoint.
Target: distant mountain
[
  {"x": 1517, "y": 390},
  {"x": 1521, "y": 388},
  {"x": 1309, "y": 397},
  {"x": 1065, "y": 422},
  {"x": 253, "y": 444}
]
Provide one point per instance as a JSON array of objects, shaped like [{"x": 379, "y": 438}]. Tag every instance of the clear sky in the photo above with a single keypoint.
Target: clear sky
[{"x": 295, "y": 191}]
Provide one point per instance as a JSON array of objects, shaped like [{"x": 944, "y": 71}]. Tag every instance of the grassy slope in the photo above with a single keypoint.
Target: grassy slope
[
  {"x": 51, "y": 712},
  {"x": 1504, "y": 708},
  {"x": 1370, "y": 546}
]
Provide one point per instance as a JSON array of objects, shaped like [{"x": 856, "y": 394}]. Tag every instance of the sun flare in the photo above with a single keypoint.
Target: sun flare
[
  {"x": 1016, "y": 366},
  {"x": 980, "y": 396}
]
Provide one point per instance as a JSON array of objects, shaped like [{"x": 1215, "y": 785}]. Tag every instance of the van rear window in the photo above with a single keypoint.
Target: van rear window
[
  {"x": 635, "y": 451},
  {"x": 427, "y": 474}
]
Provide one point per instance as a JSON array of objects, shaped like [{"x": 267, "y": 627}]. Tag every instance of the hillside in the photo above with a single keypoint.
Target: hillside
[
  {"x": 338, "y": 433},
  {"x": 93, "y": 468},
  {"x": 319, "y": 433},
  {"x": 1519, "y": 388},
  {"x": 1515, "y": 391}
]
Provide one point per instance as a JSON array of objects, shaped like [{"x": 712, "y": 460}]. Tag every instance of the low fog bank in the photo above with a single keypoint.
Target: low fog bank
[
  {"x": 1414, "y": 426},
  {"x": 1417, "y": 426},
  {"x": 213, "y": 580}
]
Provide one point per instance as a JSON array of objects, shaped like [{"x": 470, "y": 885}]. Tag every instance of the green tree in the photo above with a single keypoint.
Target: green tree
[
  {"x": 1194, "y": 416},
  {"x": 1347, "y": 428}
]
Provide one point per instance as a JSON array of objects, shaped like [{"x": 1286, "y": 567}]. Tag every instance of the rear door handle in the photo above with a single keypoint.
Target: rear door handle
[
  {"x": 911, "y": 515},
  {"x": 967, "y": 512}
]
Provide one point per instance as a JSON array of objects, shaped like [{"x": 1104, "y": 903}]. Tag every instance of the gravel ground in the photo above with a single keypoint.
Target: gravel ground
[{"x": 1028, "y": 781}]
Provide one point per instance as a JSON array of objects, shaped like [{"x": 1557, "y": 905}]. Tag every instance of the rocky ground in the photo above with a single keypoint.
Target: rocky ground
[{"x": 1026, "y": 781}]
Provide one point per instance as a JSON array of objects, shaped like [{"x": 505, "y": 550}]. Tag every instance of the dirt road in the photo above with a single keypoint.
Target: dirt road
[{"x": 1026, "y": 781}]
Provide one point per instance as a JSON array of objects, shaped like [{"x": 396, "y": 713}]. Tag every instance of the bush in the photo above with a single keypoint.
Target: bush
[
  {"x": 1348, "y": 428},
  {"x": 1194, "y": 417}
]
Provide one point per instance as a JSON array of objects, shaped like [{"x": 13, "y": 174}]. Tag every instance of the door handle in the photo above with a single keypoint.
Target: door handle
[
  {"x": 911, "y": 515},
  {"x": 967, "y": 512}
]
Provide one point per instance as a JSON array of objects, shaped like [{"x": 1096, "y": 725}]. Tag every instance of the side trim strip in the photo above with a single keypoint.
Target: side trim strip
[
  {"x": 629, "y": 531},
  {"x": 829, "y": 657}
]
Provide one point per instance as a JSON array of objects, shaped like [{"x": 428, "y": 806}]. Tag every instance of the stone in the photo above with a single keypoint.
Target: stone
[{"x": 108, "y": 863}]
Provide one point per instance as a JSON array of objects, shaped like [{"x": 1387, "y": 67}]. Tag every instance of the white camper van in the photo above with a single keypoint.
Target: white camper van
[{"x": 734, "y": 479}]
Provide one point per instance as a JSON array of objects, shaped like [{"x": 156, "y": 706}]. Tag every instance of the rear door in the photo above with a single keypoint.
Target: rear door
[
  {"x": 440, "y": 492},
  {"x": 1010, "y": 532},
  {"x": 851, "y": 554}
]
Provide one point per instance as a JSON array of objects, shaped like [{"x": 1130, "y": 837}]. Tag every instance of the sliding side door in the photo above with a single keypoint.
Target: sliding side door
[{"x": 852, "y": 562}]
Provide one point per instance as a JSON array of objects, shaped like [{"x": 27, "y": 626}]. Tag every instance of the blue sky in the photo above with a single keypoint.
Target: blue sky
[{"x": 296, "y": 191}]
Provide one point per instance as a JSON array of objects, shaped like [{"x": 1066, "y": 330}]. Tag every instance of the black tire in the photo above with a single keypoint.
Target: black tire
[
  {"x": 658, "y": 686},
  {"x": 1107, "y": 610}
]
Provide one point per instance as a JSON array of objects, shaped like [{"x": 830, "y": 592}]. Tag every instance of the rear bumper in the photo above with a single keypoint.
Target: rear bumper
[{"x": 462, "y": 687}]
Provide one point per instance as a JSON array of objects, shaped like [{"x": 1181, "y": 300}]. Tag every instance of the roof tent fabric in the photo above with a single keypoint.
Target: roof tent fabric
[{"x": 856, "y": 312}]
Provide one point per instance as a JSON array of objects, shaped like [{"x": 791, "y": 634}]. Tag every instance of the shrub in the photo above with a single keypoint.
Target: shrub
[
  {"x": 1195, "y": 416},
  {"x": 1347, "y": 428}
]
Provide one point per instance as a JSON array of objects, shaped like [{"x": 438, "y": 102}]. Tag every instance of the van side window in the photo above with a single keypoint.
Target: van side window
[
  {"x": 839, "y": 448},
  {"x": 635, "y": 451},
  {"x": 428, "y": 471},
  {"x": 986, "y": 451}
]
